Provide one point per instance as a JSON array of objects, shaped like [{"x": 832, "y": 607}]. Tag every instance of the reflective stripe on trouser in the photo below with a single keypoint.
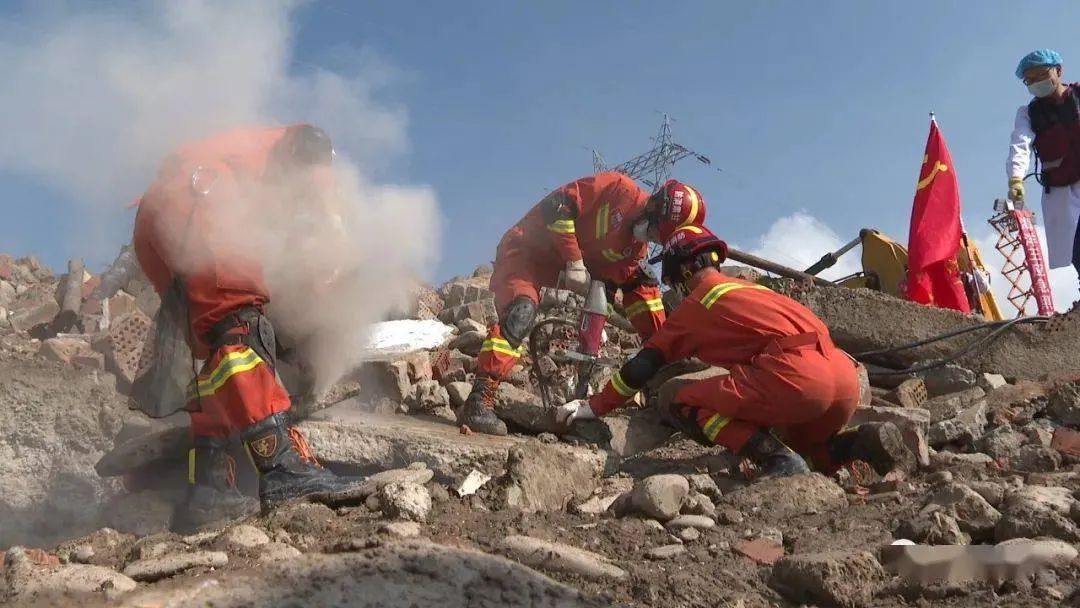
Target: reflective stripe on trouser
[
  {"x": 236, "y": 389},
  {"x": 805, "y": 396},
  {"x": 497, "y": 357},
  {"x": 645, "y": 309}
]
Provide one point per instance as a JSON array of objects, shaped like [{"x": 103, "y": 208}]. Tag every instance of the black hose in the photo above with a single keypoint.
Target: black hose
[
  {"x": 1000, "y": 327},
  {"x": 951, "y": 334}
]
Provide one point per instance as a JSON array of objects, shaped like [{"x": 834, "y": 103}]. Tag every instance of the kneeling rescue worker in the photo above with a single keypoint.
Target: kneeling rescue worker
[
  {"x": 786, "y": 375},
  {"x": 597, "y": 227},
  {"x": 208, "y": 203}
]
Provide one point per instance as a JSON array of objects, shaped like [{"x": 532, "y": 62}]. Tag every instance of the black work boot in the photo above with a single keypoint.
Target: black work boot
[
  {"x": 287, "y": 468},
  {"x": 773, "y": 457},
  {"x": 880, "y": 444},
  {"x": 213, "y": 497},
  {"x": 478, "y": 413}
]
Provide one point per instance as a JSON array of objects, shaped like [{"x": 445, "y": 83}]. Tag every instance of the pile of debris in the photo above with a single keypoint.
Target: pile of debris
[{"x": 622, "y": 511}]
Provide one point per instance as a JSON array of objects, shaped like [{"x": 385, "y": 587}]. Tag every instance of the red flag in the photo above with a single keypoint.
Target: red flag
[{"x": 934, "y": 239}]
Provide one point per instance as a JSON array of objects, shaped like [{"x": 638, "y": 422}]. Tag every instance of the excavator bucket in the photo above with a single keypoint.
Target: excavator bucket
[{"x": 884, "y": 262}]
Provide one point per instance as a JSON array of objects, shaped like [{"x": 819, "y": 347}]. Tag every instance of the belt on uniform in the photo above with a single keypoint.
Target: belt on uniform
[{"x": 795, "y": 342}]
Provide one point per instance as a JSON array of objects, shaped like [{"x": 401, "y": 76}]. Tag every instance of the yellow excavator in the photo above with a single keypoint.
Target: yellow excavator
[{"x": 884, "y": 267}]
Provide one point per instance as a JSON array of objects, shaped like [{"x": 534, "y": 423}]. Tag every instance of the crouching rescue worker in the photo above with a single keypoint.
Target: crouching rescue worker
[
  {"x": 594, "y": 228},
  {"x": 786, "y": 375},
  {"x": 214, "y": 204}
]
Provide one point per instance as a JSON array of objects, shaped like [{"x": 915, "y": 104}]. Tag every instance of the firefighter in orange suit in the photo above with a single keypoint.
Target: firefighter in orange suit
[
  {"x": 190, "y": 230},
  {"x": 596, "y": 227},
  {"x": 786, "y": 375}
]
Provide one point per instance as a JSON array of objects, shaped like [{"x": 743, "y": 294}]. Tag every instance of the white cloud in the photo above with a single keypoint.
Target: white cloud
[{"x": 799, "y": 240}]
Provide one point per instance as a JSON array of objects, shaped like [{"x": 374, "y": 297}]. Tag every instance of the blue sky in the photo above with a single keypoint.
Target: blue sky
[{"x": 818, "y": 107}]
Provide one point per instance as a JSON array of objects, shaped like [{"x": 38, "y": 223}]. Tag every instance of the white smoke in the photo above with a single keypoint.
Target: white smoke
[{"x": 94, "y": 97}]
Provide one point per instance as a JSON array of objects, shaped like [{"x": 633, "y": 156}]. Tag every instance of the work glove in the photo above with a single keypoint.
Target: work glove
[
  {"x": 1016, "y": 189},
  {"x": 576, "y": 277},
  {"x": 579, "y": 409}
]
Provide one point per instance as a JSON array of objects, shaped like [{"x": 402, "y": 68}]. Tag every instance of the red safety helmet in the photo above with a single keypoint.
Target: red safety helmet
[
  {"x": 673, "y": 206},
  {"x": 688, "y": 250}
]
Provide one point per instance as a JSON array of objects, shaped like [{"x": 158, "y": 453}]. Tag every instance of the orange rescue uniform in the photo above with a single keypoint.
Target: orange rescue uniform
[
  {"x": 595, "y": 226},
  {"x": 191, "y": 225},
  {"x": 785, "y": 371}
]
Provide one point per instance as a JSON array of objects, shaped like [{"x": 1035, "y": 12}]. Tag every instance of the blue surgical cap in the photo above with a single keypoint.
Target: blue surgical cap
[{"x": 1037, "y": 59}]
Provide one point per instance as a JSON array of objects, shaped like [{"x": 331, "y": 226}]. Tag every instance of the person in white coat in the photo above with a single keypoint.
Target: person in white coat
[{"x": 1049, "y": 126}]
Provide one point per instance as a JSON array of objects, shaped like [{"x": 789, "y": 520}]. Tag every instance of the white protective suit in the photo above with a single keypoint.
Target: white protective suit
[{"x": 1060, "y": 206}]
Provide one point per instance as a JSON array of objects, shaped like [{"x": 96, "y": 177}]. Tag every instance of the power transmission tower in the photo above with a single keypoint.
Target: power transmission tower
[{"x": 653, "y": 167}]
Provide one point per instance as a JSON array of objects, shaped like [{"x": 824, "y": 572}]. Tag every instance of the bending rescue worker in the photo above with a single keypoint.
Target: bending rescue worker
[
  {"x": 597, "y": 227},
  {"x": 195, "y": 229}
]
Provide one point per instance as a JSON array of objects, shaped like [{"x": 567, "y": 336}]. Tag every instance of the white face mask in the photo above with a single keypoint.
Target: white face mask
[
  {"x": 641, "y": 231},
  {"x": 1042, "y": 88}
]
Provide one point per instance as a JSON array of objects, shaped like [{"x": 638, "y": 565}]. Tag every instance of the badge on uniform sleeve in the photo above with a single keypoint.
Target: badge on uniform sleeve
[{"x": 203, "y": 179}]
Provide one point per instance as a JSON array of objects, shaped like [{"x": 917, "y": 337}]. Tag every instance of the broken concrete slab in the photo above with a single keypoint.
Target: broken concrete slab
[
  {"x": 914, "y": 424},
  {"x": 525, "y": 410},
  {"x": 934, "y": 527},
  {"x": 965, "y": 428},
  {"x": 1034, "y": 511},
  {"x": 394, "y": 575},
  {"x": 156, "y": 568},
  {"x": 950, "y": 378},
  {"x": 343, "y": 434},
  {"x": 971, "y": 511},
  {"x": 639, "y": 431},
  {"x": 26, "y": 580},
  {"x": 152, "y": 442},
  {"x": 950, "y": 405},
  {"x": 830, "y": 579},
  {"x": 559, "y": 557},
  {"x": 780, "y": 499},
  {"x": 1064, "y": 404},
  {"x": 864, "y": 320},
  {"x": 26, "y": 319},
  {"x": 531, "y": 484}
]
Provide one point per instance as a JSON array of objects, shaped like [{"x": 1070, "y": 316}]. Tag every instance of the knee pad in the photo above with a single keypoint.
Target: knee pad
[{"x": 518, "y": 320}]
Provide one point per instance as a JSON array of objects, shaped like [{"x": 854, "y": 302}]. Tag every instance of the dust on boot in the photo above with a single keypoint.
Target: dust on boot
[
  {"x": 880, "y": 444},
  {"x": 213, "y": 496},
  {"x": 478, "y": 412},
  {"x": 287, "y": 468},
  {"x": 773, "y": 457}
]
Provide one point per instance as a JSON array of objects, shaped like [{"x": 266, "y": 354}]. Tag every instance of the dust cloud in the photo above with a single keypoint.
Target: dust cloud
[{"x": 96, "y": 96}]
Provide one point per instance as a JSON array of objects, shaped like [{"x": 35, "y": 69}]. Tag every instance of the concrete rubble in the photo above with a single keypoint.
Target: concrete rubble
[{"x": 618, "y": 511}]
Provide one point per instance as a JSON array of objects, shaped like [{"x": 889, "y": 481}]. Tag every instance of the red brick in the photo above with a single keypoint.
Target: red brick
[
  {"x": 762, "y": 550},
  {"x": 123, "y": 346},
  {"x": 90, "y": 285},
  {"x": 1066, "y": 441}
]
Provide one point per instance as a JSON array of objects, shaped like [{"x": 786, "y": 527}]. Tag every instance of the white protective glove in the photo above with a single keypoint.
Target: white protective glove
[
  {"x": 576, "y": 277},
  {"x": 578, "y": 409}
]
